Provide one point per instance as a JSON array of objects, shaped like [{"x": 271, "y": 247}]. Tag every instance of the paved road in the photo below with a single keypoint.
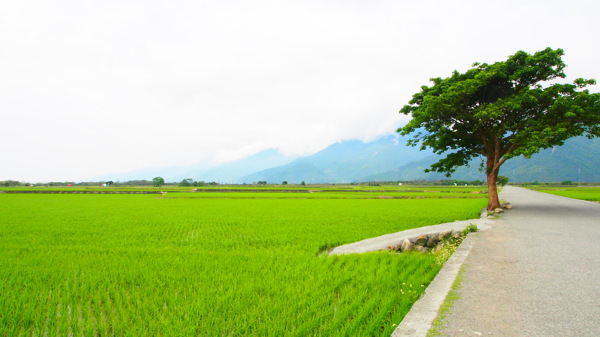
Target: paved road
[{"x": 536, "y": 273}]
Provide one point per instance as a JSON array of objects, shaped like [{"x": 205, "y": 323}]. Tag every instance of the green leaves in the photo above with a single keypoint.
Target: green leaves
[{"x": 501, "y": 110}]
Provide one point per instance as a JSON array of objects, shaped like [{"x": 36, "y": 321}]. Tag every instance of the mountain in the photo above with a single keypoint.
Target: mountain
[
  {"x": 384, "y": 159},
  {"x": 228, "y": 172},
  {"x": 169, "y": 173},
  {"x": 416, "y": 171},
  {"x": 344, "y": 162},
  {"x": 231, "y": 172},
  {"x": 577, "y": 160},
  {"x": 293, "y": 173}
]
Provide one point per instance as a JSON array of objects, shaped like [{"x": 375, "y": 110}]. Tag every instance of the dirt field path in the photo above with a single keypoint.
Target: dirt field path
[{"x": 535, "y": 273}]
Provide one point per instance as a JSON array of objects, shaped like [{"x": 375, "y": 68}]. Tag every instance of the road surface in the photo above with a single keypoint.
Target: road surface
[{"x": 536, "y": 273}]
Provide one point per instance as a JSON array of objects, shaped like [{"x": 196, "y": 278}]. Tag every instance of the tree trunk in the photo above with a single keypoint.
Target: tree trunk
[{"x": 493, "y": 200}]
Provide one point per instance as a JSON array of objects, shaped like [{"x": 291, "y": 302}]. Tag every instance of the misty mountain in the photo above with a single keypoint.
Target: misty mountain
[
  {"x": 294, "y": 173},
  {"x": 169, "y": 173},
  {"x": 228, "y": 172},
  {"x": 344, "y": 162},
  {"x": 384, "y": 159},
  {"x": 231, "y": 172},
  {"x": 577, "y": 160}
]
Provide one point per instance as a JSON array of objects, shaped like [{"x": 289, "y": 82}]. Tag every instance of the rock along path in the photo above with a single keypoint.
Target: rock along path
[{"x": 535, "y": 273}]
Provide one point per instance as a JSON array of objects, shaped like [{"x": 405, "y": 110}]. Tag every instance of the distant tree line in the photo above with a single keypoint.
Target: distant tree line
[
  {"x": 13, "y": 183},
  {"x": 190, "y": 182},
  {"x": 442, "y": 182}
]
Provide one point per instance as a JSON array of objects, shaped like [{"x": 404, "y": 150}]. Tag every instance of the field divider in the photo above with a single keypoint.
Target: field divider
[{"x": 386, "y": 242}]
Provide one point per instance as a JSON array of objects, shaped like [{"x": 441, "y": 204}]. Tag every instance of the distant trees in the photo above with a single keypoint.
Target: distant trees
[
  {"x": 502, "y": 180},
  {"x": 284, "y": 182},
  {"x": 143, "y": 182},
  {"x": 187, "y": 182},
  {"x": 158, "y": 181},
  {"x": 11, "y": 183}
]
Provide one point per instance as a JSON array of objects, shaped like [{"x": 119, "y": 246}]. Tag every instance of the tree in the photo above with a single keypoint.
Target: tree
[
  {"x": 502, "y": 180},
  {"x": 158, "y": 182},
  {"x": 187, "y": 182},
  {"x": 11, "y": 183},
  {"x": 499, "y": 111},
  {"x": 284, "y": 182}
]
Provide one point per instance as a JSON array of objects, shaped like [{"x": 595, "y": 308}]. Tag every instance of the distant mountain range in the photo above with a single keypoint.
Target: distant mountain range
[
  {"x": 229, "y": 172},
  {"x": 385, "y": 159},
  {"x": 344, "y": 162},
  {"x": 577, "y": 160}
]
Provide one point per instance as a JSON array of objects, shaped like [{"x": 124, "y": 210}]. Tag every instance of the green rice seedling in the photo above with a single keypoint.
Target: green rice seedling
[
  {"x": 131, "y": 265},
  {"x": 589, "y": 193}
]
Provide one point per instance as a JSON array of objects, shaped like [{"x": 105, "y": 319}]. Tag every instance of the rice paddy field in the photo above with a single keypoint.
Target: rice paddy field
[
  {"x": 589, "y": 193},
  {"x": 214, "y": 263}
]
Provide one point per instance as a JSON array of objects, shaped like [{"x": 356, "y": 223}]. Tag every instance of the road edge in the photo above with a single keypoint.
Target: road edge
[{"x": 419, "y": 319}]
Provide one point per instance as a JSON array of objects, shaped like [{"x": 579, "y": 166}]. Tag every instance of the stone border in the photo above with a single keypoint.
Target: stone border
[{"x": 426, "y": 242}]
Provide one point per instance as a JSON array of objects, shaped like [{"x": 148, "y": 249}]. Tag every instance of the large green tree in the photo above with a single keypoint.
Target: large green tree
[{"x": 499, "y": 111}]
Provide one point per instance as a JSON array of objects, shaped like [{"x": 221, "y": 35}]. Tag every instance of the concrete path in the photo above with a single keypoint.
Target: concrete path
[
  {"x": 390, "y": 240},
  {"x": 535, "y": 273}
]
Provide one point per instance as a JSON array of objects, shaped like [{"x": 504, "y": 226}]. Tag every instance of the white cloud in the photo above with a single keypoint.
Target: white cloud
[{"x": 90, "y": 88}]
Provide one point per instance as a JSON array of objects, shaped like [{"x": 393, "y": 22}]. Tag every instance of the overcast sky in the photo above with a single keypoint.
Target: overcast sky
[{"x": 93, "y": 87}]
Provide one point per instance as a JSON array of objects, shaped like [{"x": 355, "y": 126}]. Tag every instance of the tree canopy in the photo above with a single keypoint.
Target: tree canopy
[
  {"x": 158, "y": 181},
  {"x": 499, "y": 111}
]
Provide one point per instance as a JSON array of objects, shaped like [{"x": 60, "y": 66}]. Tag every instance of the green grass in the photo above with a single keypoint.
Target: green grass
[
  {"x": 139, "y": 265},
  {"x": 590, "y": 193}
]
